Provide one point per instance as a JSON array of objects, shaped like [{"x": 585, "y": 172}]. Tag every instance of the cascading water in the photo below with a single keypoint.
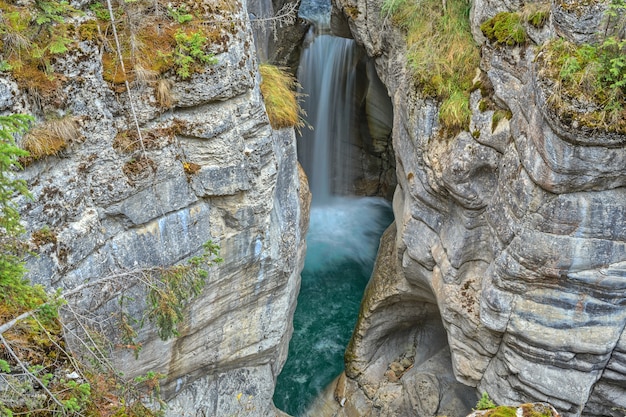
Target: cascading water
[
  {"x": 327, "y": 74},
  {"x": 344, "y": 231}
]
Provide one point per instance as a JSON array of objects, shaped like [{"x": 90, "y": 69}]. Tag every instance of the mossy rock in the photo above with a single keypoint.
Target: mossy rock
[
  {"x": 505, "y": 29},
  {"x": 584, "y": 84},
  {"x": 527, "y": 410},
  {"x": 501, "y": 411}
]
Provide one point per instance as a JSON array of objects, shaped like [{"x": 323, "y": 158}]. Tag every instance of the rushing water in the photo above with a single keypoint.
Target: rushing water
[
  {"x": 344, "y": 231},
  {"x": 327, "y": 74},
  {"x": 341, "y": 247}
]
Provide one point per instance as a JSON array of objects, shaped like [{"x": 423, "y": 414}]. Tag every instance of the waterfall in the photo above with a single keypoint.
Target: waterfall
[
  {"x": 327, "y": 75},
  {"x": 344, "y": 230}
]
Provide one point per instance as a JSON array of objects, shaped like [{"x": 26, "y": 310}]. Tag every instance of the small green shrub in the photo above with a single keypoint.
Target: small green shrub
[
  {"x": 100, "y": 10},
  {"x": 180, "y": 14},
  {"x": 172, "y": 288},
  {"x": 53, "y": 11},
  {"x": 11, "y": 265},
  {"x": 505, "y": 29},
  {"x": 189, "y": 53},
  {"x": 485, "y": 402}
]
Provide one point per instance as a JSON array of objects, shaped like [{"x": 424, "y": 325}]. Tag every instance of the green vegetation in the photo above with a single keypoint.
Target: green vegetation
[
  {"x": 588, "y": 81},
  {"x": 180, "y": 14},
  {"x": 591, "y": 75},
  {"x": 162, "y": 38},
  {"x": 31, "y": 37},
  {"x": 538, "y": 18},
  {"x": 189, "y": 55},
  {"x": 172, "y": 288},
  {"x": 528, "y": 410},
  {"x": 11, "y": 249},
  {"x": 30, "y": 332},
  {"x": 441, "y": 53},
  {"x": 498, "y": 116},
  {"x": 490, "y": 409},
  {"x": 505, "y": 29},
  {"x": 281, "y": 100},
  {"x": 485, "y": 402},
  {"x": 502, "y": 411}
]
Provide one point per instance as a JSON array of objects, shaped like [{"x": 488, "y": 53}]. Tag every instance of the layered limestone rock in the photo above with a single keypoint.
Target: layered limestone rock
[
  {"x": 510, "y": 242},
  {"x": 213, "y": 169}
]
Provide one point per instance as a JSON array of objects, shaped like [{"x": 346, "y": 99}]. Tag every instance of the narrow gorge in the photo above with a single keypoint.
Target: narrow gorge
[{"x": 499, "y": 148}]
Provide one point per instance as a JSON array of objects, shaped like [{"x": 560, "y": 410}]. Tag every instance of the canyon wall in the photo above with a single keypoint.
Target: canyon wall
[
  {"x": 103, "y": 210},
  {"x": 505, "y": 269}
]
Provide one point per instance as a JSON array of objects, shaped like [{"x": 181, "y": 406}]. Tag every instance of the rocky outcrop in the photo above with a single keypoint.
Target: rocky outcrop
[
  {"x": 279, "y": 32},
  {"x": 213, "y": 169},
  {"x": 513, "y": 235}
]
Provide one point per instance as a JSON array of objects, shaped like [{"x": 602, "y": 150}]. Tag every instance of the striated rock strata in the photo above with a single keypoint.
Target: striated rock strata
[
  {"x": 213, "y": 169},
  {"x": 509, "y": 247}
]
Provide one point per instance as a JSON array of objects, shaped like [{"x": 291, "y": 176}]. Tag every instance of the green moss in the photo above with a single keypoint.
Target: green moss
[
  {"x": 483, "y": 105},
  {"x": 502, "y": 411},
  {"x": 88, "y": 31},
  {"x": 536, "y": 410},
  {"x": 505, "y": 29}
]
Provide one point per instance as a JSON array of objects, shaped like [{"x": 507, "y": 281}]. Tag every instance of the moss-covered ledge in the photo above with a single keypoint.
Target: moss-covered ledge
[{"x": 578, "y": 122}]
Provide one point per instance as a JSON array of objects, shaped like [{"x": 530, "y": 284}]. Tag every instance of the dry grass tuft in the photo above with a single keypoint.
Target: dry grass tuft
[
  {"x": 51, "y": 137},
  {"x": 281, "y": 99},
  {"x": 145, "y": 76},
  {"x": 163, "y": 91}
]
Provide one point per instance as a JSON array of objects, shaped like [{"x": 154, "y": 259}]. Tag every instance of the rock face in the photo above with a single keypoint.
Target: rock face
[
  {"x": 213, "y": 169},
  {"x": 509, "y": 243}
]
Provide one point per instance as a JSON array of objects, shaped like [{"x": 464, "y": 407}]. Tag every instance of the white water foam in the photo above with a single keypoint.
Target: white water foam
[{"x": 346, "y": 228}]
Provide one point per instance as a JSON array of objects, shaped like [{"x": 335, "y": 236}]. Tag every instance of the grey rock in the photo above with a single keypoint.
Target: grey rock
[
  {"x": 115, "y": 211},
  {"x": 579, "y": 22},
  {"x": 511, "y": 236}
]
